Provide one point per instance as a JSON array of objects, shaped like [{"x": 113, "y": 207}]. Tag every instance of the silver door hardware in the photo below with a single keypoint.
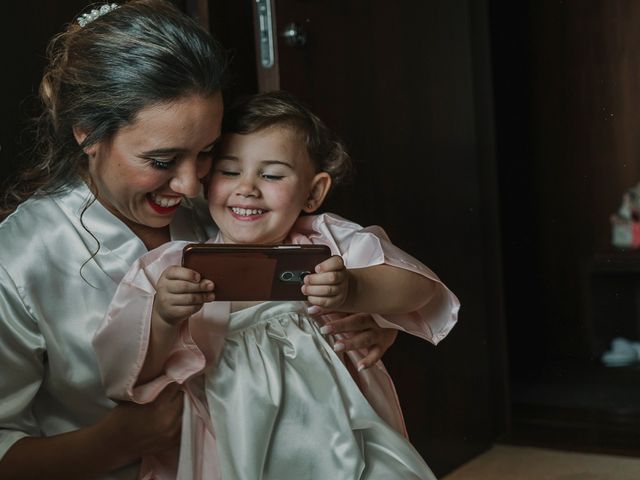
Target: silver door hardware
[{"x": 263, "y": 8}]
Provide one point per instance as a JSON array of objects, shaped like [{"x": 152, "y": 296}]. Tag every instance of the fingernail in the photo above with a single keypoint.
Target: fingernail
[
  {"x": 326, "y": 329},
  {"x": 338, "y": 347},
  {"x": 361, "y": 367},
  {"x": 313, "y": 309}
]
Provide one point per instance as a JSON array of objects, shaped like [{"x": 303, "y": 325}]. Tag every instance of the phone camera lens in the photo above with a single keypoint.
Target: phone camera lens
[{"x": 286, "y": 276}]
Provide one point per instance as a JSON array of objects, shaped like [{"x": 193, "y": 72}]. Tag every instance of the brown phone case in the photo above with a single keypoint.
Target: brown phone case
[{"x": 254, "y": 272}]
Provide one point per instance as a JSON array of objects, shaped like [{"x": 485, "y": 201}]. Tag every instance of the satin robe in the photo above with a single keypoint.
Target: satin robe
[
  {"x": 56, "y": 283},
  {"x": 122, "y": 340}
]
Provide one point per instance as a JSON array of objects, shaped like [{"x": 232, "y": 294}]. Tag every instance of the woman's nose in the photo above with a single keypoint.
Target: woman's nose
[{"x": 186, "y": 180}]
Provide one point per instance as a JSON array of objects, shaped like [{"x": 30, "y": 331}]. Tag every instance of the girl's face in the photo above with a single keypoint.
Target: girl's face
[
  {"x": 145, "y": 170},
  {"x": 260, "y": 183}
]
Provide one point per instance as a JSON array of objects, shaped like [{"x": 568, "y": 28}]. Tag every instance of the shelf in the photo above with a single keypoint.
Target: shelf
[{"x": 615, "y": 261}]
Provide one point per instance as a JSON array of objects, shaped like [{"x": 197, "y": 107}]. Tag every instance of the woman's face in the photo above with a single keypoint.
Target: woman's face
[
  {"x": 260, "y": 183},
  {"x": 144, "y": 171}
]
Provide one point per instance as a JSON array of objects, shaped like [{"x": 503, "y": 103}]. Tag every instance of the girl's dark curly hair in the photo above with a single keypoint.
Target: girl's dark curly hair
[{"x": 278, "y": 108}]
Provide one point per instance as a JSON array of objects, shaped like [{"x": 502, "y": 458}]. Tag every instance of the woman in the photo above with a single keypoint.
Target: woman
[{"x": 132, "y": 109}]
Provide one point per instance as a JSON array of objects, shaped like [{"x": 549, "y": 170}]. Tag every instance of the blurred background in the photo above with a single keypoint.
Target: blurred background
[{"x": 493, "y": 140}]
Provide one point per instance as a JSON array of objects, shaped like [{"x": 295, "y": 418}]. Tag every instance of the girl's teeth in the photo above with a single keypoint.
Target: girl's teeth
[{"x": 245, "y": 212}]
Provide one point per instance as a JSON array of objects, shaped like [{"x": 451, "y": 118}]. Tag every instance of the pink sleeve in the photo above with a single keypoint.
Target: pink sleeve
[
  {"x": 366, "y": 247},
  {"x": 122, "y": 340}
]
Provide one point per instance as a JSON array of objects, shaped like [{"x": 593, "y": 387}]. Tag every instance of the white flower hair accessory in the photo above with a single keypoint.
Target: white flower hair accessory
[{"x": 86, "y": 18}]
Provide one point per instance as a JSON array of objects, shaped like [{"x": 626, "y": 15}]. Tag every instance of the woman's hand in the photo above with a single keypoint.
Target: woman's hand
[
  {"x": 138, "y": 430},
  {"x": 122, "y": 437},
  {"x": 359, "y": 331}
]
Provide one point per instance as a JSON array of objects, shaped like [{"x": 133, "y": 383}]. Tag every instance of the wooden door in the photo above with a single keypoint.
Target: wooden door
[{"x": 406, "y": 85}]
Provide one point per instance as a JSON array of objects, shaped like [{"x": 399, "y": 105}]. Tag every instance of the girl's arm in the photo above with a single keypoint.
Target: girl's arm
[
  {"x": 179, "y": 294},
  {"x": 385, "y": 289},
  {"x": 411, "y": 281},
  {"x": 139, "y": 353},
  {"x": 382, "y": 289}
]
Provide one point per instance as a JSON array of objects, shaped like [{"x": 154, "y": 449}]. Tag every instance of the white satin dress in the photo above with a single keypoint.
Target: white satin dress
[{"x": 284, "y": 406}]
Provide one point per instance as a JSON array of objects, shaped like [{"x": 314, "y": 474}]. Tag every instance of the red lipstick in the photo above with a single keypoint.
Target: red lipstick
[{"x": 160, "y": 209}]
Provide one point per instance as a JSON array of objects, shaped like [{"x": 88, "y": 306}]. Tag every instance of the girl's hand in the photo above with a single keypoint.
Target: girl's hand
[
  {"x": 180, "y": 293},
  {"x": 328, "y": 287},
  {"x": 361, "y": 332}
]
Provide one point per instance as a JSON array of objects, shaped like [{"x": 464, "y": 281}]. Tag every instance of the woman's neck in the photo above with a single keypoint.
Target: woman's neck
[{"x": 151, "y": 237}]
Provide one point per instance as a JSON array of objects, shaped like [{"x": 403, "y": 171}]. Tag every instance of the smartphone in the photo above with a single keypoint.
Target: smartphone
[{"x": 254, "y": 272}]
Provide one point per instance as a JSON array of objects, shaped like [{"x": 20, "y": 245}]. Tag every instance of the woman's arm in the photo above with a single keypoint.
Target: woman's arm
[{"x": 126, "y": 433}]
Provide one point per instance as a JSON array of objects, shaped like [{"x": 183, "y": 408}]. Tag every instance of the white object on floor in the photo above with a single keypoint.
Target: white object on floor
[{"x": 623, "y": 352}]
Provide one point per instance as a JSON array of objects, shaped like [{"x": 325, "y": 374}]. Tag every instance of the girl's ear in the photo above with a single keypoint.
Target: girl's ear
[
  {"x": 80, "y": 136},
  {"x": 320, "y": 186}
]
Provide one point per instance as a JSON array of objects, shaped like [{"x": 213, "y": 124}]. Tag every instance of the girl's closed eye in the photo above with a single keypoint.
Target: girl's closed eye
[
  {"x": 272, "y": 177},
  {"x": 273, "y": 173}
]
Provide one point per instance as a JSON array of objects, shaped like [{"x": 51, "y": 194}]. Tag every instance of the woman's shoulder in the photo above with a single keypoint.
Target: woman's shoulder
[
  {"x": 35, "y": 214},
  {"x": 36, "y": 222}
]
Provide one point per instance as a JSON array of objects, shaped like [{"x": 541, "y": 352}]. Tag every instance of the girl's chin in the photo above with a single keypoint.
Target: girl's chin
[{"x": 244, "y": 238}]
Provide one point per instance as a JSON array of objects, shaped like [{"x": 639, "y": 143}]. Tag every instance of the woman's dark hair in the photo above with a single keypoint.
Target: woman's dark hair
[
  {"x": 101, "y": 75},
  {"x": 272, "y": 109}
]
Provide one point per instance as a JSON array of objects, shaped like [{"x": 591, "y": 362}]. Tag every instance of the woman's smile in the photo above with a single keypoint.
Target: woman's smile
[{"x": 163, "y": 204}]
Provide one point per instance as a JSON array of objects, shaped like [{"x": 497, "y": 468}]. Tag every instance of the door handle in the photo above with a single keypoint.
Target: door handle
[{"x": 265, "y": 32}]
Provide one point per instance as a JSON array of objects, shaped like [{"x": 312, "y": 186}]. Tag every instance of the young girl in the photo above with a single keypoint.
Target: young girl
[{"x": 276, "y": 401}]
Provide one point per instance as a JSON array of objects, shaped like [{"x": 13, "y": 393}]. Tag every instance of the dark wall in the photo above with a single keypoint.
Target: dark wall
[
  {"x": 566, "y": 77},
  {"x": 25, "y": 37}
]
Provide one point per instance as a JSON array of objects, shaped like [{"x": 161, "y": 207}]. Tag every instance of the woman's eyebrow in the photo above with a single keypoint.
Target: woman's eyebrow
[
  {"x": 172, "y": 150},
  {"x": 164, "y": 151}
]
